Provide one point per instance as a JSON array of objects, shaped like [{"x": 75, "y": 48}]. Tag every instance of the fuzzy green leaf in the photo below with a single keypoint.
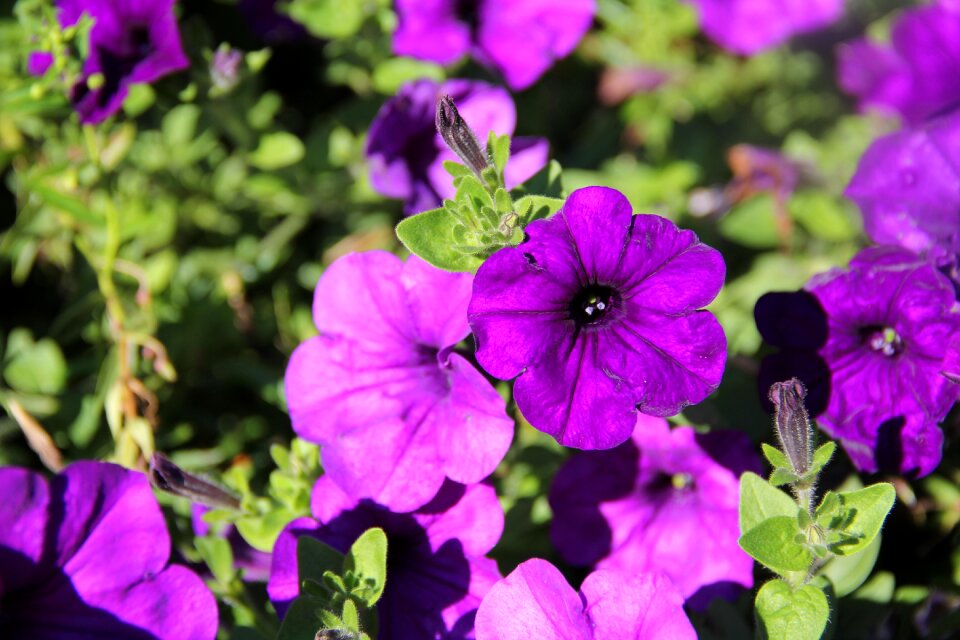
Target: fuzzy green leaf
[
  {"x": 773, "y": 543},
  {"x": 368, "y": 560},
  {"x": 787, "y": 614},
  {"x": 860, "y": 516},
  {"x": 775, "y": 457},
  {"x": 430, "y": 235},
  {"x": 759, "y": 501}
]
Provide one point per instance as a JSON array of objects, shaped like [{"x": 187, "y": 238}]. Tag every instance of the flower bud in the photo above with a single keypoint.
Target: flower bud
[
  {"x": 793, "y": 424},
  {"x": 168, "y": 477},
  {"x": 458, "y": 135}
]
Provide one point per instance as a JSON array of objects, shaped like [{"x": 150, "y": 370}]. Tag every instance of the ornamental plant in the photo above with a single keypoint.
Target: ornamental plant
[{"x": 443, "y": 319}]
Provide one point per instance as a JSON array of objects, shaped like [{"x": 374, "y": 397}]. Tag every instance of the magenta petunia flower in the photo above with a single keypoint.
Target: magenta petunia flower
[
  {"x": 891, "y": 320},
  {"x": 519, "y": 38},
  {"x": 750, "y": 26},
  {"x": 84, "y": 555},
  {"x": 395, "y": 408},
  {"x": 664, "y": 501},
  {"x": 917, "y": 77},
  {"x": 406, "y": 154},
  {"x": 436, "y": 569},
  {"x": 131, "y": 42},
  {"x": 535, "y": 601},
  {"x": 908, "y": 187},
  {"x": 597, "y": 313}
]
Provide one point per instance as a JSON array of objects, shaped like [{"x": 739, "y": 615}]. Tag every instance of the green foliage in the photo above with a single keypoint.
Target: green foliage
[{"x": 791, "y": 614}]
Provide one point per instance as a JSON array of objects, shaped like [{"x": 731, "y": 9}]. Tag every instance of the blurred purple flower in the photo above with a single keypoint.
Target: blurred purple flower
[
  {"x": 132, "y": 42},
  {"x": 889, "y": 320},
  {"x": 270, "y": 25},
  {"x": 908, "y": 187},
  {"x": 750, "y": 26},
  {"x": 597, "y": 313},
  {"x": 406, "y": 154},
  {"x": 519, "y": 38},
  {"x": 664, "y": 501},
  {"x": 84, "y": 555},
  {"x": 919, "y": 76},
  {"x": 437, "y": 572},
  {"x": 381, "y": 388},
  {"x": 535, "y": 601},
  {"x": 253, "y": 564},
  {"x": 38, "y": 62}
]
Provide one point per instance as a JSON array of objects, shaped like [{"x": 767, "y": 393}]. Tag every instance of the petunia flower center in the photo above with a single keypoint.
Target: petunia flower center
[
  {"x": 883, "y": 340},
  {"x": 467, "y": 12},
  {"x": 592, "y": 304}
]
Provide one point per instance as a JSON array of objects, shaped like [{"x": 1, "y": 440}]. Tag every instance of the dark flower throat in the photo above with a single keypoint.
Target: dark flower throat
[{"x": 592, "y": 304}]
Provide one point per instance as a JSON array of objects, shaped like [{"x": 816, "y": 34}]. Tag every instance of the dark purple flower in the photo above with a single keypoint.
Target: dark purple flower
[
  {"x": 253, "y": 564},
  {"x": 38, "y": 62},
  {"x": 535, "y": 601},
  {"x": 436, "y": 569},
  {"x": 406, "y": 154},
  {"x": 270, "y": 25},
  {"x": 395, "y": 409},
  {"x": 132, "y": 42},
  {"x": 519, "y": 38},
  {"x": 84, "y": 556},
  {"x": 917, "y": 77},
  {"x": 889, "y": 322},
  {"x": 664, "y": 501},
  {"x": 750, "y": 26},
  {"x": 597, "y": 313},
  {"x": 908, "y": 187}
]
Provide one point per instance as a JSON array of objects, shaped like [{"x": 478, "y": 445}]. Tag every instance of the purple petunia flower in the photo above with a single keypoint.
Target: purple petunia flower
[
  {"x": 750, "y": 26},
  {"x": 406, "y": 154},
  {"x": 664, "y": 501},
  {"x": 919, "y": 76},
  {"x": 535, "y": 601},
  {"x": 436, "y": 569},
  {"x": 381, "y": 388},
  {"x": 887, "y": 325},
  {"x": 597, "y": 313},
  {"x": 519, "y": 38},
  {"x": 908, "y": 187},
  {"x": 132, "y": 42},
  {"x": 84, "y": 555}
]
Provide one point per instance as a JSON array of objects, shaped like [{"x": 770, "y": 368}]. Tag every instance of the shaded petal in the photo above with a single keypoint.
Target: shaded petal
[
  {"x": 571, "y": 395},
  {"x": 527, "y": 157},
  {"x": 284, "y": 584},
  {"x": 437, "y": 301},
  {"x": 23, "y": 527},
  {"x": 635, "y": 606},
  {"x": 475, "y": 518},
  {"x": 666, "y": 362},
  {"x": 534, "y": 601}
]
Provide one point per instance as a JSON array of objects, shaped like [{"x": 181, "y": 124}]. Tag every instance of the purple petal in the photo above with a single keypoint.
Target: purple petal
[
  {"x": 284, "y": 584},
  {"x": 750, "y": 26},
  {"x": 527, "y": 157},
  {"x": 23, "y": 525},
  {"x": 523, "y": 39},
  {"x": 635, "y": 606},
  {"x": 475, "y": 519},
  {"x": 534, "y": 601},
  {"x": 437, "y": 301},
  {"x": 430, "y": 30},
  {"x": 39, "y": 62}
]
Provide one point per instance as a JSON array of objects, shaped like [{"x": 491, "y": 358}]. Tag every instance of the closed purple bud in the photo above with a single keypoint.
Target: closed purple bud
[
  {"x": 792, "y": 423},
  {"x": 458, "y": 136},
  {"x": 168, "y": 477}
]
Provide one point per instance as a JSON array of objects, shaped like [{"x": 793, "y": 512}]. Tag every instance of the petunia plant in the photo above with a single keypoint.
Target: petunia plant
[{"x": 807, "y": 545}]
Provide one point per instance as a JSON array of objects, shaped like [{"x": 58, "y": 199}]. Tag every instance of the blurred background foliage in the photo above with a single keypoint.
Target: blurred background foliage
[{"x": 156, "y": 270}]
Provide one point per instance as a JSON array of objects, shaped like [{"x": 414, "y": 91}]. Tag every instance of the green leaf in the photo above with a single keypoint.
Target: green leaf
[
  {"x": 430, "y": 235},
  {"x": 759, "y": 501},
  {"x": 456, "y": 169},
  {"x": 860, "y": 516},
  {"x": 37, "y": 368},
  {"x": 822, "y": 456},
  {"x": 315, "y": 558},
  {"x": 74, "y": 207},
  {"x": 752, "y": 223},
  {"x": 775, "y": 457},
  {"x": 498, "y": 147},
  {"x": 389, "y": 75},
  {"x": 277, "y": 150},
  {"x": 788, "y": 614},
  {"x": 824, "y": 215},
  {"x": 180, "y": 126},
  {"x": 261, "y": 531},
  {"x": 328, "y": 18},
  {"x": 351, "y": 618},
  {"x": 368, "y": 560},
  {"x": 780, "y": 477},
  {"x": 847, "y": 573},
  {"x": 216, "y": 553},
  {"x": 534, "y": 207},
  {"x": 773, "y": 543},
  {"x": 302, "y": 620}
]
